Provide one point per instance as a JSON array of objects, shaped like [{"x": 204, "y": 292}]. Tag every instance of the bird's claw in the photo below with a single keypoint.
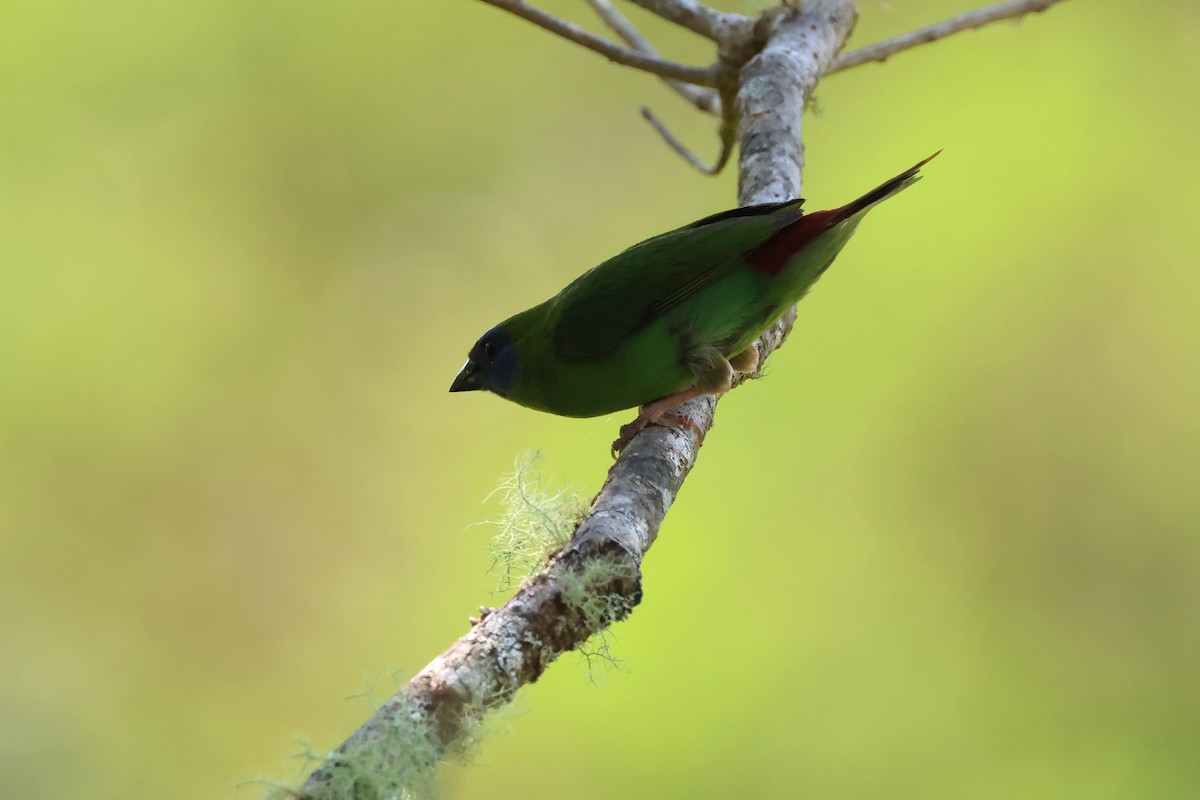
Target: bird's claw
[{"x": 668, "y": 419}]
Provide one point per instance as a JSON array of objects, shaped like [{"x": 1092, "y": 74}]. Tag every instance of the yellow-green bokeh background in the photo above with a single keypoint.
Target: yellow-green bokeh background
[{"x": 949, "y": 548}]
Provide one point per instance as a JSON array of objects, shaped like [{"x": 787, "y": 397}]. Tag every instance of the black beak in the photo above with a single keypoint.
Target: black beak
[{"x": 467, "y": 379}]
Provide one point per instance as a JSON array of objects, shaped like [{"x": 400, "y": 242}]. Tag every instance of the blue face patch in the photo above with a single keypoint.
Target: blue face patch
[
  {"x": 495, "y": 359},
  {"x": 503, "y": 370}
]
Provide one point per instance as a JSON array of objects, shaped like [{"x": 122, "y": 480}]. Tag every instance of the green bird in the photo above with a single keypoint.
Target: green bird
[{"x": 670, "y": 318}]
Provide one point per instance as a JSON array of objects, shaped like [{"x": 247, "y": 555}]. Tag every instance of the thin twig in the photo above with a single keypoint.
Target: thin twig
[
  {"x": 882, "y": 51},
  {"x": 701, "y": 76},
  {"x": 682, "y": 149},
  {"x": 696, "y": 17},
  {"x": 728, "y": 135},
  {"x": 704, "y": 99}
]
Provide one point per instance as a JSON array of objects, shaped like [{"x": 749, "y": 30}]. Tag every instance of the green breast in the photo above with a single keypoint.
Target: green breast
[{"x": 644, "y": 367}]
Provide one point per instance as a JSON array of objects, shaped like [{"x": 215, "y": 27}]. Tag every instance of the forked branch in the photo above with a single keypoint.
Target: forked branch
[
  {"x": 726, "y": 29},
  {"x": 702, "y": 98}
]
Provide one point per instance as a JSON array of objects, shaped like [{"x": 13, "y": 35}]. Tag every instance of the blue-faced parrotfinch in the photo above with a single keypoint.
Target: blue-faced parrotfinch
[{"x": 668, "y": 319}]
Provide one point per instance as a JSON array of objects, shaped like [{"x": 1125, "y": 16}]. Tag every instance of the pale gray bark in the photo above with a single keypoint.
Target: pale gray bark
[
  {"x": 767, "y": 71},
  {"x": 697, "y": 17},
  {"x": 776, "y": 84}
]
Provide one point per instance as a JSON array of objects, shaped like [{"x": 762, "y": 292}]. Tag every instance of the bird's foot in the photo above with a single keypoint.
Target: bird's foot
[
  {"x": 662, "y": 419},
  {"x": 627, "y": 433}
]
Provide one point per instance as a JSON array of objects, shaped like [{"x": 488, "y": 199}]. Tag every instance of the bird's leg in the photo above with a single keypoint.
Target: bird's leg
[{"x": 714, "y": 375}]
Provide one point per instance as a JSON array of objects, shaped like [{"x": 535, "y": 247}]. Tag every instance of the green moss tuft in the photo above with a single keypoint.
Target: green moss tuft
[
  {"x": 399, "y": 763},
  {"x": 591, "y": 593},
  {"x": 534, "y": 523}
]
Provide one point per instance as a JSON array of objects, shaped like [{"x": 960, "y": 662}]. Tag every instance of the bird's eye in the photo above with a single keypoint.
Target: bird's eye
[{"x": 490, "y": 349}]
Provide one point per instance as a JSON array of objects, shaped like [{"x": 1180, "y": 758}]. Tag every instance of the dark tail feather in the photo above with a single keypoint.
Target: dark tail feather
[{"x": 883, "y": 192}]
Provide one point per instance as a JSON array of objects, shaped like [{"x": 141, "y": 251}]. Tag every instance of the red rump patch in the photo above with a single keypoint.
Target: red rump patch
[{"x": 772, "y": 256}]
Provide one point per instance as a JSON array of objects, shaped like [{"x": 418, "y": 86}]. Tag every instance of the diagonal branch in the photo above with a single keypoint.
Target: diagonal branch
[
  {"x": 704, "y": 99},
  {"x": 595, "y": 579},
  {"x": 977, "y": 18},
  {"x": 701, "y": 76}
]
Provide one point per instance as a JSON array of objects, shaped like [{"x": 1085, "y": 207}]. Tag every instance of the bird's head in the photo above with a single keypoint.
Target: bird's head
[{"x": 491, "y": 365}]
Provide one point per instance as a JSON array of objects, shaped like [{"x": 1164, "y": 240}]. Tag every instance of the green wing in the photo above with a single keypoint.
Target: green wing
[{"x": 607, "y": 304}]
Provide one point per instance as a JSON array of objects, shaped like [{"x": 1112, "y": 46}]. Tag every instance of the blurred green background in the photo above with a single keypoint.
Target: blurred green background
[{"x": 948, "y": 548}]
